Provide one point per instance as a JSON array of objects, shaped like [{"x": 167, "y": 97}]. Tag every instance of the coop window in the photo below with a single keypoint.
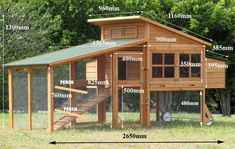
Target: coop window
[
  {"x": 163, "y": 65},
  {"x": 190, "y": 65}
]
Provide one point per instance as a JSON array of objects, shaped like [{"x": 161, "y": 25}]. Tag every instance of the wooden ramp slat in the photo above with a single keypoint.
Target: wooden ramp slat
[{"x": 87, "y": 105}]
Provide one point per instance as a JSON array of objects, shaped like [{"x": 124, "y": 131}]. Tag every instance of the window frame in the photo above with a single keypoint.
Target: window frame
[
  {"x": 190, "y": 52},
  {"x": 177, "y": 51},
  {"x": 163, "y": 65}
]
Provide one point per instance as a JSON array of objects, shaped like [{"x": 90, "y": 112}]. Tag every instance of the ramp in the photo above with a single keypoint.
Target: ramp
[{"x": 87, "y": 105}]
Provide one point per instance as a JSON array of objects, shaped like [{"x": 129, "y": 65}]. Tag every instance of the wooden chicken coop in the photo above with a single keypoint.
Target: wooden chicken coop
[{"x": 133, "y": 52}]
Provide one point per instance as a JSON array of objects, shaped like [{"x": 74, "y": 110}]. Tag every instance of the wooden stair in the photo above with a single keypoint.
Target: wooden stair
[{"x": 87, "y": 105}]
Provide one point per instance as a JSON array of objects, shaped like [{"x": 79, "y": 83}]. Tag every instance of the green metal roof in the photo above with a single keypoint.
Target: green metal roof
[{"x": 72, "y": 52}]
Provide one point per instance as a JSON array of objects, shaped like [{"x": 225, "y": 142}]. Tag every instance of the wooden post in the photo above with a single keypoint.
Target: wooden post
[
  {"x": 203, "y": 107},
  {"x": 11, "y": 100},
  {"x": 142, "y": 74},
  {"x": 50, "y": 98},
  {"x": 203, "y": 92},
  {"x": 72, "y": 75},
  {"x": 29, "y": 99},
  {"x": 158, "y": 106},
  {"x": 146, "y": 100},
  {"x": 101, "y": 108},
  {"x": 114, "y": 91}
]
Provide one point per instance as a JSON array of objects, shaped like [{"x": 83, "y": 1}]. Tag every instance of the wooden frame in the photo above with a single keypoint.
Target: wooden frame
[
  {"x": 146, "y": 95},
  {"x": 72, "y": 76},
  {"x": 203, "y": 108},
  {"x": 101, "y": 107},
  {"x": 71, "y": 89},
  {"x": 134, "y": 83},
  {"x": 50, "y": 99},
  {"x": 115, "y": 123},
  {"x": 29, "y": 99},
  {"x": 11, "y": 100},
  {"x": 188, "y": 45}
]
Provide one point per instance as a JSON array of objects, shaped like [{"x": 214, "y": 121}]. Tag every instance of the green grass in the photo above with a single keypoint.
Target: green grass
[{"x": 222, "y": 128}]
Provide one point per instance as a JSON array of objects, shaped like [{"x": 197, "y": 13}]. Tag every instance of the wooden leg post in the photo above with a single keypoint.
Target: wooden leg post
[
  {"x": 142, "y": 112},
  {"x": 101, "y": 108},
  {"x": 11, "y": 100},
  {"x": 115, "y": 123},
  {"x": 29, "y": 99},
  {"x": 146, "y": 98},
  {"x": 203, "y": 108},
  {"x": 72, "y": 75},
  {"x": 50, "y": 98}
]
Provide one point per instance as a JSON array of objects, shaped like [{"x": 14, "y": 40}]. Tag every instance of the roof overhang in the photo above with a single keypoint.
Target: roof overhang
[
  {"x": 116, "y": 20},
  {"x": 75, "y": 53}
]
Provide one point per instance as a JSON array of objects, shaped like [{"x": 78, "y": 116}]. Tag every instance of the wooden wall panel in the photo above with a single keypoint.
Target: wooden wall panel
[
  {"x": 91, "y": 69},
  {"x": 215, "y": 77},
  {"x": 156, "y": 31},
  {"x": 133, "y": 71},
  {"x": 108, "y": 70}
]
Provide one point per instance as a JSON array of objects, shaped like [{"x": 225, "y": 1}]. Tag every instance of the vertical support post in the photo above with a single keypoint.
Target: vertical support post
[
  {"x": 203, "y": 92},
  {"x": 203, "y": 107},
  {"x": 146, "y": 100},
  {"x": 114, "y": 92},
  {"x": 158, "y": 106},
  {"x": 29, "y": 99},
  {"x": 101, "y": 108},
  {"x": 72, "y": 75},
  {"x": 11, "y": 100},
  {"x": 142, "y": 74},
  {"x": 50, "y": 98},
  {"x": 141, "y": 108}
]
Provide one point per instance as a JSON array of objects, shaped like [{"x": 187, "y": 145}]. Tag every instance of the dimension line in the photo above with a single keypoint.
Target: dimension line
[
  {"x": 144, "y": 142},
  {"x": 117, "y": 13}
]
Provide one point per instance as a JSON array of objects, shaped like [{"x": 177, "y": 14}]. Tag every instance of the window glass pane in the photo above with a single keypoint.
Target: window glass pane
[
  {"x": 169, "y": 72},
  {"x": 195, "y": 58},
  {"x": 169, "y": 58},
  {"x": 184, "y": 58},
  {"x": 195, "y": 71},
  {"x": 157, "y": 72},
  {"x": 184, "y": 72},
  {"x": 157, "y": 58}
]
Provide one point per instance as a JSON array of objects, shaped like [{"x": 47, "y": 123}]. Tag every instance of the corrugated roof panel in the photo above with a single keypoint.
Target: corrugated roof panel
[{"x": 76, "y": 51}]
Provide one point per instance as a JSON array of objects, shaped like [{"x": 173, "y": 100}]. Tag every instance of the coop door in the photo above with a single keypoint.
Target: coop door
[{"x": 128, "y": 70}]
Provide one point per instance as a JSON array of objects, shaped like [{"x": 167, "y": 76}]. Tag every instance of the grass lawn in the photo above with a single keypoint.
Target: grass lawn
[{"x": 223, "y": 128}]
